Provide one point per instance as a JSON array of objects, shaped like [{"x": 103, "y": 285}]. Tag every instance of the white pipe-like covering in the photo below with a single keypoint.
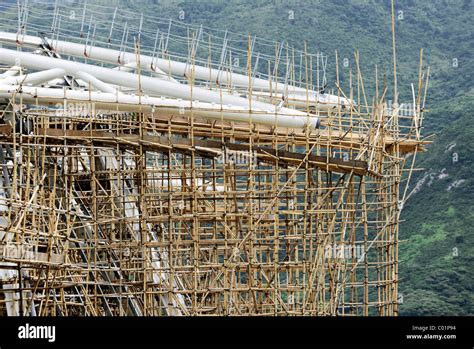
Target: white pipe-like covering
[
  {"x": 165, "y": 106},
  {"x": 34, "y": 78},
  {"x": 168, "y": 66},
  {"x": 324, "y": 101},
  {"x": 148, "y": 84},
  {"x": 15, "y": 70},
  {"x": 301, "y": 95},
  {"x": 101, "y": 86},
  {"x": 158, "y": 73}
]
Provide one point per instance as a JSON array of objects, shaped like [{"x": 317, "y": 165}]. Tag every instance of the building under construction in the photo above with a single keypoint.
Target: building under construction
[{"x": 148, "y": 167}]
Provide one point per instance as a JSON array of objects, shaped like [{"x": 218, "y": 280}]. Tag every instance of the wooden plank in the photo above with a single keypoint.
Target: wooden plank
[{"x": 185, "y": 144}]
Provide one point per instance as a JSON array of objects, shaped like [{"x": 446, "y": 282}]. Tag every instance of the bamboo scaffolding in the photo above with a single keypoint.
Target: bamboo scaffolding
[{"x": 106, "y": 211}]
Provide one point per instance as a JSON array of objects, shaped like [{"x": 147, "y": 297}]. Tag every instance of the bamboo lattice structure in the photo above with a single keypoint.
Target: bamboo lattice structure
[{"x": 114, "y": 208}]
